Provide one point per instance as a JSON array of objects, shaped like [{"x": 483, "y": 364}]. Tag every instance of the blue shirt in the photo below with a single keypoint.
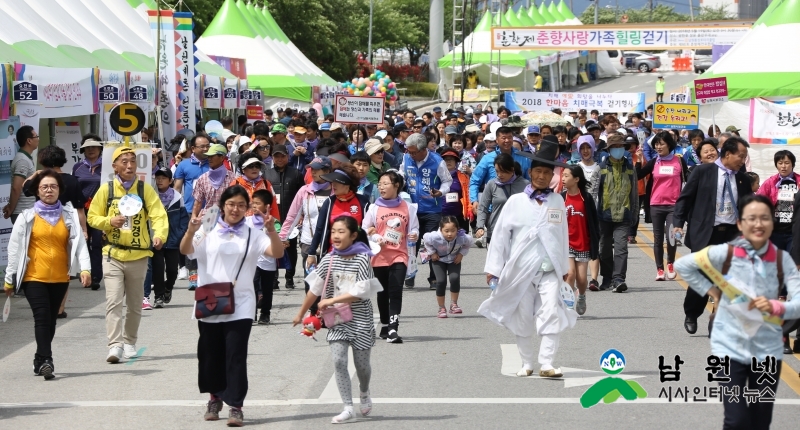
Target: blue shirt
[
  {"x": 189, "y": 171},
  {"x": 484, "y": 171}
]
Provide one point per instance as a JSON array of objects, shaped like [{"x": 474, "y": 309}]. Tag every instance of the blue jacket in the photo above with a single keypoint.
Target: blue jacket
[
  {"x": 484, "y": 171},
  {"x": 178, "y": 219},
  {"x": 300, "y": 162},
  {"x": 421, "y": 180}
]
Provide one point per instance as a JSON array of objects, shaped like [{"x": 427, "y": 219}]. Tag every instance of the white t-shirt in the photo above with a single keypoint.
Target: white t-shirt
[
  {"x": 264, "y": 262},
  {"x": 218, "y": 259}
]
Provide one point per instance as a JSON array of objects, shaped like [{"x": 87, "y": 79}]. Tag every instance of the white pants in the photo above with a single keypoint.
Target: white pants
[
  {"x": 547, "y": 350},
  {"x": 541, "y": 304}
]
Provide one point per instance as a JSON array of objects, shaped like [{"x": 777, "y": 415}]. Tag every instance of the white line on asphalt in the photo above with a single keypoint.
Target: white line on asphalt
[
  {"x": 617, "y": 91},
  {"x": 331, "y": 391},
  {"x": 385, "y": 401},
  {"x": 651, "y": 80}
]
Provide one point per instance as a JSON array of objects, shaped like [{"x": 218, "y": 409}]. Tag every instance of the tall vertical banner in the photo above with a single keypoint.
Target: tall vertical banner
[
  {"x": 184, "y": 70},
  {"x": 162, "y": 28},
  {"x": 8, "y": 149},
  {"x": 68, "y": 138}
]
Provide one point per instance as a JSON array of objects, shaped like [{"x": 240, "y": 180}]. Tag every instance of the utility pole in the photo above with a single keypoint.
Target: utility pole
[
  {"x": 691, "y": 10},
  {"x": 596, "y": 10},
  {"x": 369, "y": 39},
  {"x": 651, "y": 10}
]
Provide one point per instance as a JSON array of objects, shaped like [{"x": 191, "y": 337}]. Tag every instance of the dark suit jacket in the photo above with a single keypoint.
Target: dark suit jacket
[{"x": 697, "y": 203}]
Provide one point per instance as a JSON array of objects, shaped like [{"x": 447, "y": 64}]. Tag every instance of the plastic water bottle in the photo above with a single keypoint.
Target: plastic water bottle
[
  {"x": 411, "y": 271},
  {"x": 493, "y": 283},
  {"x": 311, "y": 268}
]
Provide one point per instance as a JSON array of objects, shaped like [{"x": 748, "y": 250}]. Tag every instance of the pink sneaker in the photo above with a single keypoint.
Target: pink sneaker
[
  {"x": 442, "y": 313},
  {"x": 146, "y": 305},
  {"x": 454, "y": 309},
  {"x": 671, "y": 272},
  {"x": 660, "y": 275}
]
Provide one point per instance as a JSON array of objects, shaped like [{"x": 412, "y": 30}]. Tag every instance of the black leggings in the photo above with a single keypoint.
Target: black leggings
[
  {"x": 264, "y": 280},
  {"x": 44, "y": 299},
  {"x": 444, "y": 271},
  {"x": 390, "y": 300},
  {"x": 753, "y": 416}
]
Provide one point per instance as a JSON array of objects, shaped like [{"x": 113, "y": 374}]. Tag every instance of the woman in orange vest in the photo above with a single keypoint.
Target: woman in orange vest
[
  {"x": 250, "y": 165},
  {"x": 456, "y": 202}
]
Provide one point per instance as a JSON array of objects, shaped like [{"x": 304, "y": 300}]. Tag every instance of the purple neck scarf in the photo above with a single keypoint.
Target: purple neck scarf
[
  {"x": 540, "y": 195},
  {"x": 253, "y": 182},
  {"x": 94, "y": 165},
  {"x": 317, "y": 187},
  {"x": 126, "y": 184},
  {"x": 217, "y": 176},
  {"x": 667, "y": 157},
  {"x": 166, "y": 196},
  {"x": 722, "y": 166},
  {"x": 49, "y": 213},
  {"x": 393, "y": 203},
  {"x": 232, "y": 229},
  {"x": 355, "y": 248},
  {"x": 782, "y": 179},
  {"x": 508, "y": 182}
]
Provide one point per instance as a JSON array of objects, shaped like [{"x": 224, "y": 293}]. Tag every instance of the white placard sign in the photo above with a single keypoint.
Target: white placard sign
[
  {"x": 144, "y": 161},
  {"x": 359, "y": 109}
]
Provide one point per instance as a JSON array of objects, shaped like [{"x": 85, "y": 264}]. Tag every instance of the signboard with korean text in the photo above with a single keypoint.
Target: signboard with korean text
[
  {"x": 145, "y": 94},
  {"x": 257, "y": 95},
  {"x": 25, "y": 92},
  {"x": 255, "y": 113},
  {"x": 609, "y": 102},
  {"x": 675, "y": 115},
  {"x": 244, "y": 94},
  {"x": 138, "y": 94},
  {"x": 230, "y": 93},
  {"x": 184, "y": 68},
  {"x": 61, "y": 92},
  {"x": 68, "y": 138},
  {"x": 359, "y": 110},
  {"x": 635, "y": 37},
  {"x": 108, "y": 93},
  {"x": 774, "y": 122},
  {"x": 709, "y": 91},
  {"x": 212, "y": 91},
  {"x": 144, "y": 161}
]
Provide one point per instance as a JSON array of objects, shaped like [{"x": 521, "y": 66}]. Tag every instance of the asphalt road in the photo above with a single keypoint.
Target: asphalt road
[{"x": 449, "y": 373}]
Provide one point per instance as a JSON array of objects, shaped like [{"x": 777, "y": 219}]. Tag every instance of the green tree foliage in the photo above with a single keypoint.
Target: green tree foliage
[
  {"x": 719, "y": 13},
  {"x": 660, "y": 13}
]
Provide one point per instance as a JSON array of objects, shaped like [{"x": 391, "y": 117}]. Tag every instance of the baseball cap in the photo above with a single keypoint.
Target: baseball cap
[
  {"x": 437, "y": 109},
  {"x": 217, "y": 149},
  {"x": 338, "y": 156},
  {"x": 454, "y": 115},
  {"x": 470, "y": 111},
  {"x": 299, "y": 130},
  {"x": 336, "y": 126},
  {"x": 279, "y": 149},
  {"x": 490, "y": 137},
  {"x": 374, "y": 145},
  {"x": 121, "y": 150},
  {"x": 533, "y": 129},
  {"x": 338, "y": 176},
  {"x": 401, "y": 126},
  {"x": 164, "y": 172},
  {"x": 278, "y": 128},
  {"x": 450, "y": 130},
  {"x": 251, "y": 161},
  {"x": 732, "y": 129},
  {"x": 320, "y": 162},
  {"x": 325, "y": 126}
]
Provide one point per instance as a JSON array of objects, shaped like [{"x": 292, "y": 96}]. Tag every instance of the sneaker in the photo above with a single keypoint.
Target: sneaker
[
  {"x": 183, "y": 273},
  {"x": 61, "y": 315},
  {"x": 580, "y": 305},
  {"x": 787, "y": 349},
  {"x": 264, "y": 320},
  {"x": 235, "y": 417},
  {"x": 393, "y": 337},
  {"x": 37, "y": 365},
  {"x": 167, "y": 297},
  {"x": 384, "y": 332},
  {"x": 605, "y": 286},
  {"x": 671, "y": 275},
  {"x": 146, "y": 304},
  {"x": 409, "y": 283},
  {"x": 660, "y": 275},
  {"x": 479, "y": 242},
  {"x": 276, "y": 284},
  {"x": 454, "y": 309},
  {"x": 431, "y": 284},
  {"x": 47, "y": 368},
  {"x": 159, "y": 302},
  {"x": 130, "y": 351},
  {"x": 366, "y": 404},
  {"x": 212, "y": 410},
  {"x": 632, "y": 240},
  {"x": 345, "y": 416},
  {"x": 594, "y": 285},
  {"x": 551, "y": 373},
  {"x": 114, "y": 355},
  {"x": 95, "y": 286},
  {"x": 290, "y": 284},
  {"x": 619, "y": 287},
  {"x": 525, "y": 372},
  {"x": 192, "y": 287},
  {"x": 442, "y": 312}
]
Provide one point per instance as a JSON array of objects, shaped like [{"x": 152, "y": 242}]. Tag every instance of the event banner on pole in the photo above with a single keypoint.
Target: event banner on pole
[
  {"x": 572, "y": 102},
  {"x": 61, "y": 92},
  {"x": 628, "y": 36},
  {"x": 184, "y": 70},
  {"x": 675, "y": 115},
  {"x": 775, "y": 122},
  {"x": 162, "y": 29},
  {"x": 359, "y": 109},
  {"x": 68, "y": 138},
  {"x": 8, "y": 149},
  {"x": 144, "y": 161},
  {"x": 709, "y": 91}
]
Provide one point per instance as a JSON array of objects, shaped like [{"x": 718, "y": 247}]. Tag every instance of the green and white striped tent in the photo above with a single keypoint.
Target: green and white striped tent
[{"x": 274, "y": 64}]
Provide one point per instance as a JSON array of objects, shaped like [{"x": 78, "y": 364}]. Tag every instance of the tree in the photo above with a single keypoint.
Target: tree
[
  {"x": 203, "y": 10},
  {"x": 710, "y": 13},
  {"x": 660, "y": 13}
]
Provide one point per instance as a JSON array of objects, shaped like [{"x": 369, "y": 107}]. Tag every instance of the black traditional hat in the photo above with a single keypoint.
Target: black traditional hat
[{"x": 546, "y": 155}]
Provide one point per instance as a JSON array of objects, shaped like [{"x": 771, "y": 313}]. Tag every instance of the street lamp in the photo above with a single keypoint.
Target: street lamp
[
  {"x": 369, "y": 39},
  {"x": 596, "y": 7}
]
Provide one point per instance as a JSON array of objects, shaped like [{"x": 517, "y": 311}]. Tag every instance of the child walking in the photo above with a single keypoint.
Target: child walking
[
  {"x": 267, "y": 267},
  {"x": 446, "y": 248},
  {"x": 344, "y": 277},
  {"x": 166, "y": 260},
  {"x": 584, "y": 231}
]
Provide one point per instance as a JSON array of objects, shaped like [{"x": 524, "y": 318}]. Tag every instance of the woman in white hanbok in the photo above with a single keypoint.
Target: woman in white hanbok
[{"x": 530, "y": 257}]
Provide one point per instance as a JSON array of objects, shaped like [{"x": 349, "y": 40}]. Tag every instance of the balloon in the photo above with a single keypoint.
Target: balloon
[
  {"x": 393, "y": 98},
  {"x": 357, "y": 93},
  {"x": 354, "y": 81},
  {"x": 391, "y": 85},
  {"x": 350, "y": 90},
  {"x": 318, "y": 107}
]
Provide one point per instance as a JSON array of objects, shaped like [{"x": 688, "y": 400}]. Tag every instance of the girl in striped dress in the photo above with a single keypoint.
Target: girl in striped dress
[{"x": 344, "y": 277}]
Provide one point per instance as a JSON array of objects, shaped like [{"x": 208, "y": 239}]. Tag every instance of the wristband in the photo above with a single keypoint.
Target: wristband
[
  {"x": 87, "y": 272},
  {"x": 7, "y": 286},
  {"x": 777, "y": 308}
]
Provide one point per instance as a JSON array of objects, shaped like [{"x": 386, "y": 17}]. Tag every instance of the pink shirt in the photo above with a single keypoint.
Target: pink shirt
[
  {"x": 666, "y": 182},
  {"x": 392, "y": 224}
]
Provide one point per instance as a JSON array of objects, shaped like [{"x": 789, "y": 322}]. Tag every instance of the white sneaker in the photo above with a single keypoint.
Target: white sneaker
[
  {"x": 130, "y": 351},
  {"x": 114, "y": 355},
  {"x": 183, "y": 273}
]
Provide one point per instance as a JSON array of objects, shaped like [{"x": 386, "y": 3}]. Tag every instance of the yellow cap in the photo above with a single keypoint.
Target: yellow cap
[{"x": 121, "y": 150}]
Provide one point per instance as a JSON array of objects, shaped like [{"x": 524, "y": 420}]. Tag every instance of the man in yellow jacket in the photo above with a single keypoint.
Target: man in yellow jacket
[{"x": 127, "y": 249}]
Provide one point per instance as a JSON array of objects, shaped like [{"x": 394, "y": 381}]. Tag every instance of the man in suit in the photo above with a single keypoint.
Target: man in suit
[{"x": 708, "y": 203}]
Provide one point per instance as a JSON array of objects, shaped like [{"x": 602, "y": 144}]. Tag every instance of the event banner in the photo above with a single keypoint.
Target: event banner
[
  {"x": 144, "y": 161},
  {"x": 162, "y": 29},
  {"x": 359, "y": 109},
  {"x": 114, "y": 77},
  {"x": 68, "y": 138},
  {"x": 8, "y": 149},
  {"x": 775, "y": 122},
  {"x": 713, "y": 90},
  {"x": 675, "y": 115},
  {"x": 184, "y": 71},
  {"x": 628, "y": 36},
  {"x": 573, "y": 102},
  {"x": 141, "y": 89},
  {"x": 61, "y": 92}
]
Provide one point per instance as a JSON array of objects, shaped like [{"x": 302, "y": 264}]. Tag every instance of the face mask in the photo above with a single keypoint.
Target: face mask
[{"x": 617, "y": 153}]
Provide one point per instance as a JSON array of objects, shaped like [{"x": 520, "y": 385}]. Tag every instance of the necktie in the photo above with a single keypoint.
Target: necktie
[{"x": 729, "y": 190}]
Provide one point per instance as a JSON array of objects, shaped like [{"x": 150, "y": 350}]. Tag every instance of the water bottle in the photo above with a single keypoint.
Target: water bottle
[
  {"x": 411, "y": 270},
  {"x": 493, "y": 283},
  {"x": 311, "y": 268}
]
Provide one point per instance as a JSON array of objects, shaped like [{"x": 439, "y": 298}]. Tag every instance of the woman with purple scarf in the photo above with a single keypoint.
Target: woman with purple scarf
[{"x": 46, "y": 242}]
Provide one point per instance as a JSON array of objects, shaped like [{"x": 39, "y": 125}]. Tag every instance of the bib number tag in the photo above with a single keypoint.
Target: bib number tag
[
  {"x": 554, "y": 216},
  {"x": 786, "y": 195},
  {"x": 666, "y": 170},
  {"x": 393, "y": 236},
  {"x": 128, "y": 223},
  {"x": 726, "y": 209},
  {"x": 320, "y": 201},
  {"x": 277, "y": 198},
  {"x": 451, "y": 197}
]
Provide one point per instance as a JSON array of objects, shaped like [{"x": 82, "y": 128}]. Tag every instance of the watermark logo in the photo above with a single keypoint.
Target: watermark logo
[{"x": 609, "y": 389}]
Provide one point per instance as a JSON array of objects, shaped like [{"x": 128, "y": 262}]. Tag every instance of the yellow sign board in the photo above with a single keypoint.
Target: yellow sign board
[{"x": 675, "y": 115}]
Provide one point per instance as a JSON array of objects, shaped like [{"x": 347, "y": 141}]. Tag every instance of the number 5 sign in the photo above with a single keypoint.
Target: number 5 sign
[{"x": 126, "y": 119}]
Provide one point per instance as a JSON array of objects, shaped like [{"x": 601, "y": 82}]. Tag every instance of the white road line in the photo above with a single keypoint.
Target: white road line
[
  {"x": 385, "y": 401},
  {"x": 331, "y": 391},
  {"x": 651, "y": 80},
  {"x": 617, "y": 91}
]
